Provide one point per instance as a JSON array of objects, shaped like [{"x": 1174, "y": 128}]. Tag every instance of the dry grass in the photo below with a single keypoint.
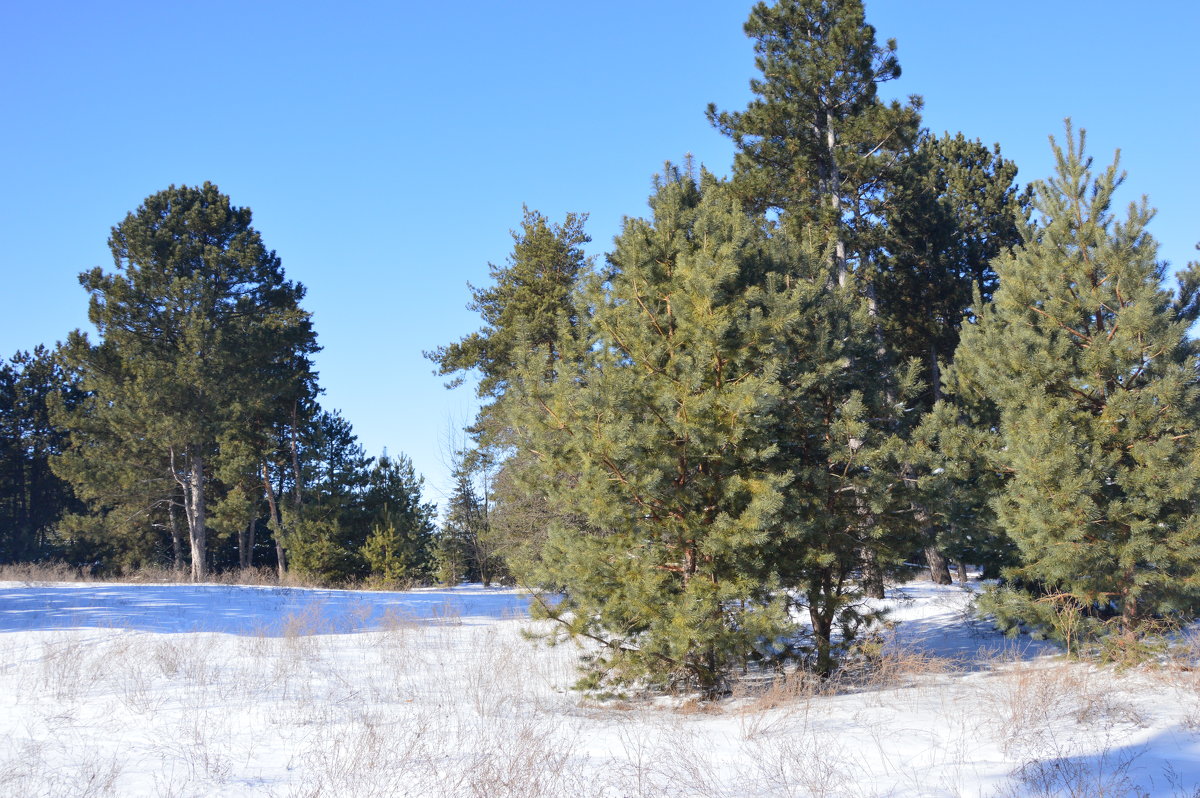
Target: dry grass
[
  {"x": 41, "y": 574},
  {"x": 1025, "y": 703},
  {"x": 1178, "y": 674}
]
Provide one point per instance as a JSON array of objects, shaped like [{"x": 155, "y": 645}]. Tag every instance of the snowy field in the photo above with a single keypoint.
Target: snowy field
[{"x": 173, "y": 690}]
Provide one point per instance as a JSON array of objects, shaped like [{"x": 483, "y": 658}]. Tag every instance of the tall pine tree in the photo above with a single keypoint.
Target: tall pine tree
[
  {"x": 199, "y": 334},
  {"x": 816, "y": 140},
  {"x": 1088, "y": 361}
]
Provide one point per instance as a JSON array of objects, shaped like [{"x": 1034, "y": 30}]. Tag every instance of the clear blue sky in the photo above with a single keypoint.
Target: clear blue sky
[{"x": 386, "y": 148}]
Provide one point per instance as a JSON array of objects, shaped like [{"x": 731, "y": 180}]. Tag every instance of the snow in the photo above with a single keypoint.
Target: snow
[{"x": 177, "y": 690}]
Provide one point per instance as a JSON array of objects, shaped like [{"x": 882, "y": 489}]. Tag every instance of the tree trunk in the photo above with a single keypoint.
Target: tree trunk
[
  {"x": 939, "y": 571},
  {"x": 197, "y": 518},
  {"x": 276, "y": 521},
  {"x": 246, "y": 545},
  {"x": 872, "y": 574},
  {"x": 962, "y": 571},
  {"x": 176, "y": 536},
  {"x": 295, "y": 446},
  {"x": 822, "y": 635},
  {"x": 833, "y": 186}
]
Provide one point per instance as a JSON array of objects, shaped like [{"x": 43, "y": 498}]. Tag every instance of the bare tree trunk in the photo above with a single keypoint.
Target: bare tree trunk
[
  {"x": 939, "y": 571},
  {"x": 872, "y": 574},
  {"x": 246, "y": 546},
  {"x": 276, "y": 520},
  {"x": 176, "y": 536},
  {"x": 251, "y": 542},
  {"x": 834, "y": 179},
  {"x": 295, "y": 445},
  {"x": 962, "y": 571},
  {"x": 197, "y": 518}
]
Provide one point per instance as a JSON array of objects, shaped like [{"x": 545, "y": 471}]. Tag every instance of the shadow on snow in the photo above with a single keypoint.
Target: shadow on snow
[{"x": 244, "y": 610}]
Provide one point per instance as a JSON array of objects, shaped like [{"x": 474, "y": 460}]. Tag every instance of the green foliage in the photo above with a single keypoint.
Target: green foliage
[
  {"x": 528, "y": 306},
  {"x": 466, "y": 549},
  {"x": 838, "y": 429},
  {"x": 952, "y": 208},
  {"x": 200, "y": 335},
  {"x": 1058, "y": 617},
  {"x": 529, "y": 297},
  {"x": 357, "y": 517},
  {"x": 815, "y": 140},
  {"x": 32, "y": 497},
  {"x": 400, "y": 546},
  {"x": 659, "y": 417},
  {"x": 1086, "y": 357},
  {"x": 318, "y": 550},
  {"x": 1064, "y": 618}
]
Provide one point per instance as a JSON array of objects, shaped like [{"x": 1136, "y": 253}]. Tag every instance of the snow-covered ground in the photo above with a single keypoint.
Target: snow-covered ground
[{"x": 173, "y": 690}]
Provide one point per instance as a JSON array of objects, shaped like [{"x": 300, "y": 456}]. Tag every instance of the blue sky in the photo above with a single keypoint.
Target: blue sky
[{"x": 386, "y": 148}]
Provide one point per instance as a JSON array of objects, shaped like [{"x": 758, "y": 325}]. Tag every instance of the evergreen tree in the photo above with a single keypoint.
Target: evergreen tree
[
  {"x": 462, "y": 552},
  {"x": 524, "y": 306},
  {"x": 839, "y": 429},
  {"x": 327, "y": 529},
  {"x": 400, "y": 546},
  {"x": 655, "y": 429},
  {"x": 199, "y": 334},
  {"x": 953, "y": 207},
  {"x": 529, "y": 306},
  {"x": 816, "y": 140},
  {"x": 32, "y": 498},
  {"x": 819, "y": 148},
  {"x": 1087, "y": 359}
]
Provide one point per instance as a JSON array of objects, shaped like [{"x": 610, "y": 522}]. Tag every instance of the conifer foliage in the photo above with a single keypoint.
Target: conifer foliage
[
  {"x": 1086, "y": 357},
  {"x": 200, "y": 334},
  {"x": 32, "y": 498},
  {"x": 816, "y": 138},
  {"x": 661, "y": 420}
]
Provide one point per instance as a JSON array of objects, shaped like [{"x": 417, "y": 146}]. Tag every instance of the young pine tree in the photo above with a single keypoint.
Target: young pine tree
[
  {"x": 463, "y": 552},
  {"x": 529, "y": 305},
  {"x": 656, "y": 430},
  {"x": 1087, "y": 359},
  {"x": 401, "y": 543}
]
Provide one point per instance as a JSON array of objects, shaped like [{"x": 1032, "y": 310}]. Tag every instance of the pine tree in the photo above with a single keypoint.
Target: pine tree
[
  {"x": 816, "y": 139},
  {"x": 401, "y": 543},
  {"x": 837, "y": 428},
  {"x": 818, "y": 147},
  {"x": 952, "y": 208},
  {"x": 655, "y": 430},
  {"x": 32, "y": 498},
  {"x": 1087, "y": 359},
  {"x": 199, "y": 335},
  {"x": 328, "y": 527},
  {"x": 524, "y": 305},
  {"x": 462, "y": 552},
  {"x": 529, "y": 305}
]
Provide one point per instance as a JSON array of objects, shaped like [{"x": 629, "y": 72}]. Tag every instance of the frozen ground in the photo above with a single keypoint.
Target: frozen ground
[{"x": 173, "y": 690}]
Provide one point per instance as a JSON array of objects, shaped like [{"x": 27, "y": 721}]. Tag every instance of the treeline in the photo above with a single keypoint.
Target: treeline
[
  {"x": 188, "y": 434},
  {"x": 866, "y": 348}
]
